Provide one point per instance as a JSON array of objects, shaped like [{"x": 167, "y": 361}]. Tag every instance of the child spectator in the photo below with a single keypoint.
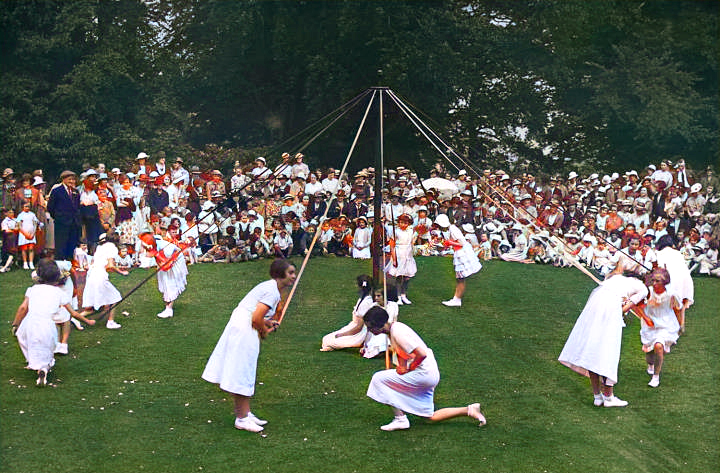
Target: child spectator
[
  {"x": 28, "y": 225},
  {"x": 9, "y": 239}
]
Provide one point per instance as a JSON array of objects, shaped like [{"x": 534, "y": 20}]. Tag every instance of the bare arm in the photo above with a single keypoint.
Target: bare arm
[
  {"x": 358, "y": 324},
  {"x": 417, "y": 356},
  {"x": 20, "y": 314},
  {"x": 258, "y": 320}
]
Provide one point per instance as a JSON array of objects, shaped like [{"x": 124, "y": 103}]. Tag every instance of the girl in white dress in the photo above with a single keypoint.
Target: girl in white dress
[
  {"x": 233, "y": 363},
  {"x": 361, "y": 239},
  {"x": 172, "y": 269},
  {"x": 465, "y": 261},
  {"x": 34, "y": 325},
  {"x": 99, "y": 291},
  {"x": 402, "y": 264},
  {"x": 593, "y": 347},
  {"x": 376, "y": 344},
  {"x": 666, "y": 311},
  {"x": 28, "y": 224},
  {"x": 410, "y": 387},
  {"x": 354, "y": 333}
]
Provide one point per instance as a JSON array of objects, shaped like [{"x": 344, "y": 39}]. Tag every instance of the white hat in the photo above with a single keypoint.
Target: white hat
[
  {"x": 495, "y": 237},
  {"x": 260, "y": 158},
  {"x": 652, "y": 166},
  {"x": 632, "y": 173},
  {"x": 38, "y": 180},
  {"x": 141, "y": 155},
  {"x": 252, "y": 212},
  {"x": 606, "y": 179},
  {"x": 490, "y": 227},
  {"x": 593, "y": 176},
  {"x": 696, "y": 187},
  {"x": 154, "y": 174},
  {"x": 442, "y": 220},
  {"x": 572, "y": 175},
  {"x": 468, "y": 228},
  {"x": 525, "y": 197},
  {"x": 207, "y": 205},
  {"x": 614, "y": 176},
  {"x": 130, "y": 175},
  {"x": 517, "y": 226},
  {"x": 466, "y": 192},
  {"x": 462, "y": 172},
  {"x": 102, "y": 175},
  {"x": 90, "y": 172}
]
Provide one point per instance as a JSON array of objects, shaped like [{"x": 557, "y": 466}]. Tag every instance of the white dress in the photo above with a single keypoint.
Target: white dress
[
  {"x": 99, "y": 291},
  {"x": 404, "y": 251},
  {"x": 681, "y": 282},
  {"x": 27, "y": 222},
  {"x": 37, "y": 334},
  {"x": 665, "y": 331},
  {"x": 411, "y": 392},
  {"x": 465, "y": 261},
  {"x": 362, "y": 238},
  {"x": 63, "y": 315},
  {"x": 376, "y": 344},
  {"x": 233, "y": 363},
  {"x": 172, "y": 282},
  {"x": 329, "y": 341},
  {"x": 594, "y": 343}
]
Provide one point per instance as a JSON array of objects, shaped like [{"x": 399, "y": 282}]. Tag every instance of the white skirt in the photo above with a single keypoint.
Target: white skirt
[
  {"x": 406, "y": 263},
  {"x": 357, "y": 340},
  {"x": 99, "y": 291},
  {"x": 37, "y": 337},
  {"x": 411, "y": 392},
  {"x": 466, "y": 262},
  {"x": 233, "y": 363}
]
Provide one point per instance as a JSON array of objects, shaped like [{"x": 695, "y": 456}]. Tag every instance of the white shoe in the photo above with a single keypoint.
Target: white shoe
[
  {"x": 474, "y": 412},
  {"x": 597, "y": 400},
  {"x": 76, "y": 323},
  {"x": 614, "y": 401},
  {"x": 247, "y": 424},
  {"x": 654, "y": 381},
  {"x": 61, "y": 348},
  {"x": 42, "y": 377},
  {"x": 111, "y": 324},
  {"x": 25, "y": 266},
  {"x": 166, "y": 314},
  {"x": 255, "y": 419},
  {"x": 453, "y": 302},
  {"x": 399, "y": 301},
  {"x": 32, "y": 266},
  {"x": 404, "y": 298},
  {"x": 651, "y": 370},
  {"x": 398, "y": 423}
]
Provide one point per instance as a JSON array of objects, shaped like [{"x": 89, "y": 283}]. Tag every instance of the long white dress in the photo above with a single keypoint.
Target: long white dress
[
  {"x": 99, "y": 291},
  {"x": 172, "y": 282},
  {"x": 329, "y": 341},
  {"x": 465, "y": 261},
  {"x": 362, "y": 238},
  {"x": 681, "y": 282},
  {"x": 37, "y": 334},
  {"x": 233, "y": 363},
  {"x": 594, "y": 343},
  {"x": 404, "y": 252},
  {"x": 412, "y": 392},
  {"x": 666, "y": 330}
]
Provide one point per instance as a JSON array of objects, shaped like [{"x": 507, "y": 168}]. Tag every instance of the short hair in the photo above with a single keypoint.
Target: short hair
[
  {"x": 664, "y": 242},
  {"x": 279, "y": 267},
  {"x": 375, "y": 318},
  {"x": 658, "y": 274}
]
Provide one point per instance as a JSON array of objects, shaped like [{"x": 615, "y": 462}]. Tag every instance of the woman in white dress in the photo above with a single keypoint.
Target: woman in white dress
[
  {"x": 465, "y": 261},
  {"x": 593, "y": 347},
  {"x": 233, "y": 363},
  {"x": 402, "y": 264},
  {"x": 681, "y": 282},
  {"x": 99, "y": 291},
  {"x": 410, "y": 387},
  {"x": 354, "y": 333},
  {"x": 34, "y": 325},
  {"x": 666, "y": 312}
]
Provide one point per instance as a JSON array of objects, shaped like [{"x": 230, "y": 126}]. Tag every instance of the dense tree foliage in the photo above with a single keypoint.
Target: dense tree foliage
[{"x": 542, "y": 84}]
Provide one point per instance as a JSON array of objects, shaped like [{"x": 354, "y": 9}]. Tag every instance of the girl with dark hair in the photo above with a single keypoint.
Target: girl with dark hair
[
  {"x": 34, "y": 325},
  {"x": 353, "y": 334},
  {"x": 402, "y": 265},
  {"x": 99, "y": 291},
  {"x": 376, "y": 344},
  {"x": 681, "y": 283},
  {"x": 410, "y": 387},
  {"x": 667, "y": 313},
  {"x": 233, "y": 363}
]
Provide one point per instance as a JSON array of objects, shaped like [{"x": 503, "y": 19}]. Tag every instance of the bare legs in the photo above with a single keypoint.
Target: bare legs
[
  {"x": 401, "y": 421},
  {"x": 242, "y": 405},
  {"x": 459, "y": 288}
]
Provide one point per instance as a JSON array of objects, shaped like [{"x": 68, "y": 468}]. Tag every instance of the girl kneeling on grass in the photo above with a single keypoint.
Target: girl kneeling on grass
[
  {"x": 233, "y": 363},
  {"x": 410, "y": 387},
  {"x": 667, "y": 313},
  {"x": 34, "y": 325}
]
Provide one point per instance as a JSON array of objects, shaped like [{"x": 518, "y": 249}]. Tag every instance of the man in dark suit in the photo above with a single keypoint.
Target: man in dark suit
[{"x": 64, "y": 207}]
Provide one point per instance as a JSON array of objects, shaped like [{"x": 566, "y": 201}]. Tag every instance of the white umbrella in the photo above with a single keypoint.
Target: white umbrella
[{"x": 439, "y": 184}]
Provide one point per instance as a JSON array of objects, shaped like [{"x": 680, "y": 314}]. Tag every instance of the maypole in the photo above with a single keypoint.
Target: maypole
[{"x": 377, "y": 246}]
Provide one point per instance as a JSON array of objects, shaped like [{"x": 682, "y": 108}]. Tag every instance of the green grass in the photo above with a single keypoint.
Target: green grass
[{"x": 132, "y": 400}]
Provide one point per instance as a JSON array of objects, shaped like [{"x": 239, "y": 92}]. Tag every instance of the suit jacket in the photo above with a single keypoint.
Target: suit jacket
[{"x": 63, "y": 207}]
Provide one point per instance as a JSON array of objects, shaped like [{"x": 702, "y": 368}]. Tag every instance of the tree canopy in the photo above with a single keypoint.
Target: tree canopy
[{"x": 547, "y": 85}]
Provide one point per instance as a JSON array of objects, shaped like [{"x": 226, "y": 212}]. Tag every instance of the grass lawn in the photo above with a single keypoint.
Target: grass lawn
[{"x": 132, "y": 400}]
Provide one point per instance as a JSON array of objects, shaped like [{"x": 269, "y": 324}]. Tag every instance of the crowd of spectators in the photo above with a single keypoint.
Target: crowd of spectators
[{"x": 255, "y": 211}]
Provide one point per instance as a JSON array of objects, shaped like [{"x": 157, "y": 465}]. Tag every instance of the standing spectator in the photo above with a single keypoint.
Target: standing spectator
[
  {"x": 28, "y": 224},
  {"x": 9, "y": 239},
  {"x": 89, "y": 215},
  {"x": 64, "y": 207},
  {"x": 179, "y": 171},
  {"x": 300, "y": 167}
]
